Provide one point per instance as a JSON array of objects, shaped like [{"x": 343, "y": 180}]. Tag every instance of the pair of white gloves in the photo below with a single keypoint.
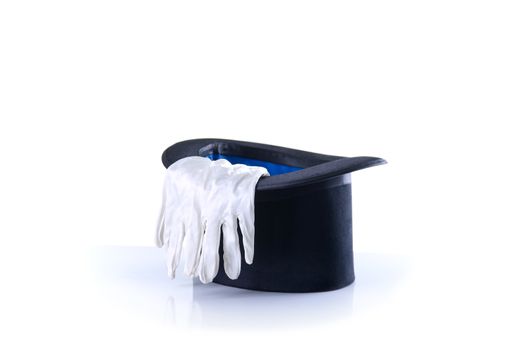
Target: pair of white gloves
[{"x": 200, "y": 197}]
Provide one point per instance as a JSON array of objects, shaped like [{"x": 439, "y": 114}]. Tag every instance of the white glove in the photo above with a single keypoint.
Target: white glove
[{"x": 201, "y": 196}]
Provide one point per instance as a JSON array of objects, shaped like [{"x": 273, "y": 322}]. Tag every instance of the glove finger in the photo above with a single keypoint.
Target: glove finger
[
  {"x": 159, "y": 238},
  {"x": 191, "y": 246},
  {"x": 209, "y": 260},
  {"x": 246, "y": 222},
  {"x": 174, "y": 248},
  {"x": 230, "y": 244}
]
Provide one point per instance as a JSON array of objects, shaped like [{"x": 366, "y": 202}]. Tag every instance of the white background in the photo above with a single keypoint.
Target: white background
[{"x": 92, "y": 92}]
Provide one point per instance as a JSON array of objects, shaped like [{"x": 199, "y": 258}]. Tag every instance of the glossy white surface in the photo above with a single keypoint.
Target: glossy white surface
[
  {"x": 406, "y": 299},
  {"x": 131, "y": 279}
]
